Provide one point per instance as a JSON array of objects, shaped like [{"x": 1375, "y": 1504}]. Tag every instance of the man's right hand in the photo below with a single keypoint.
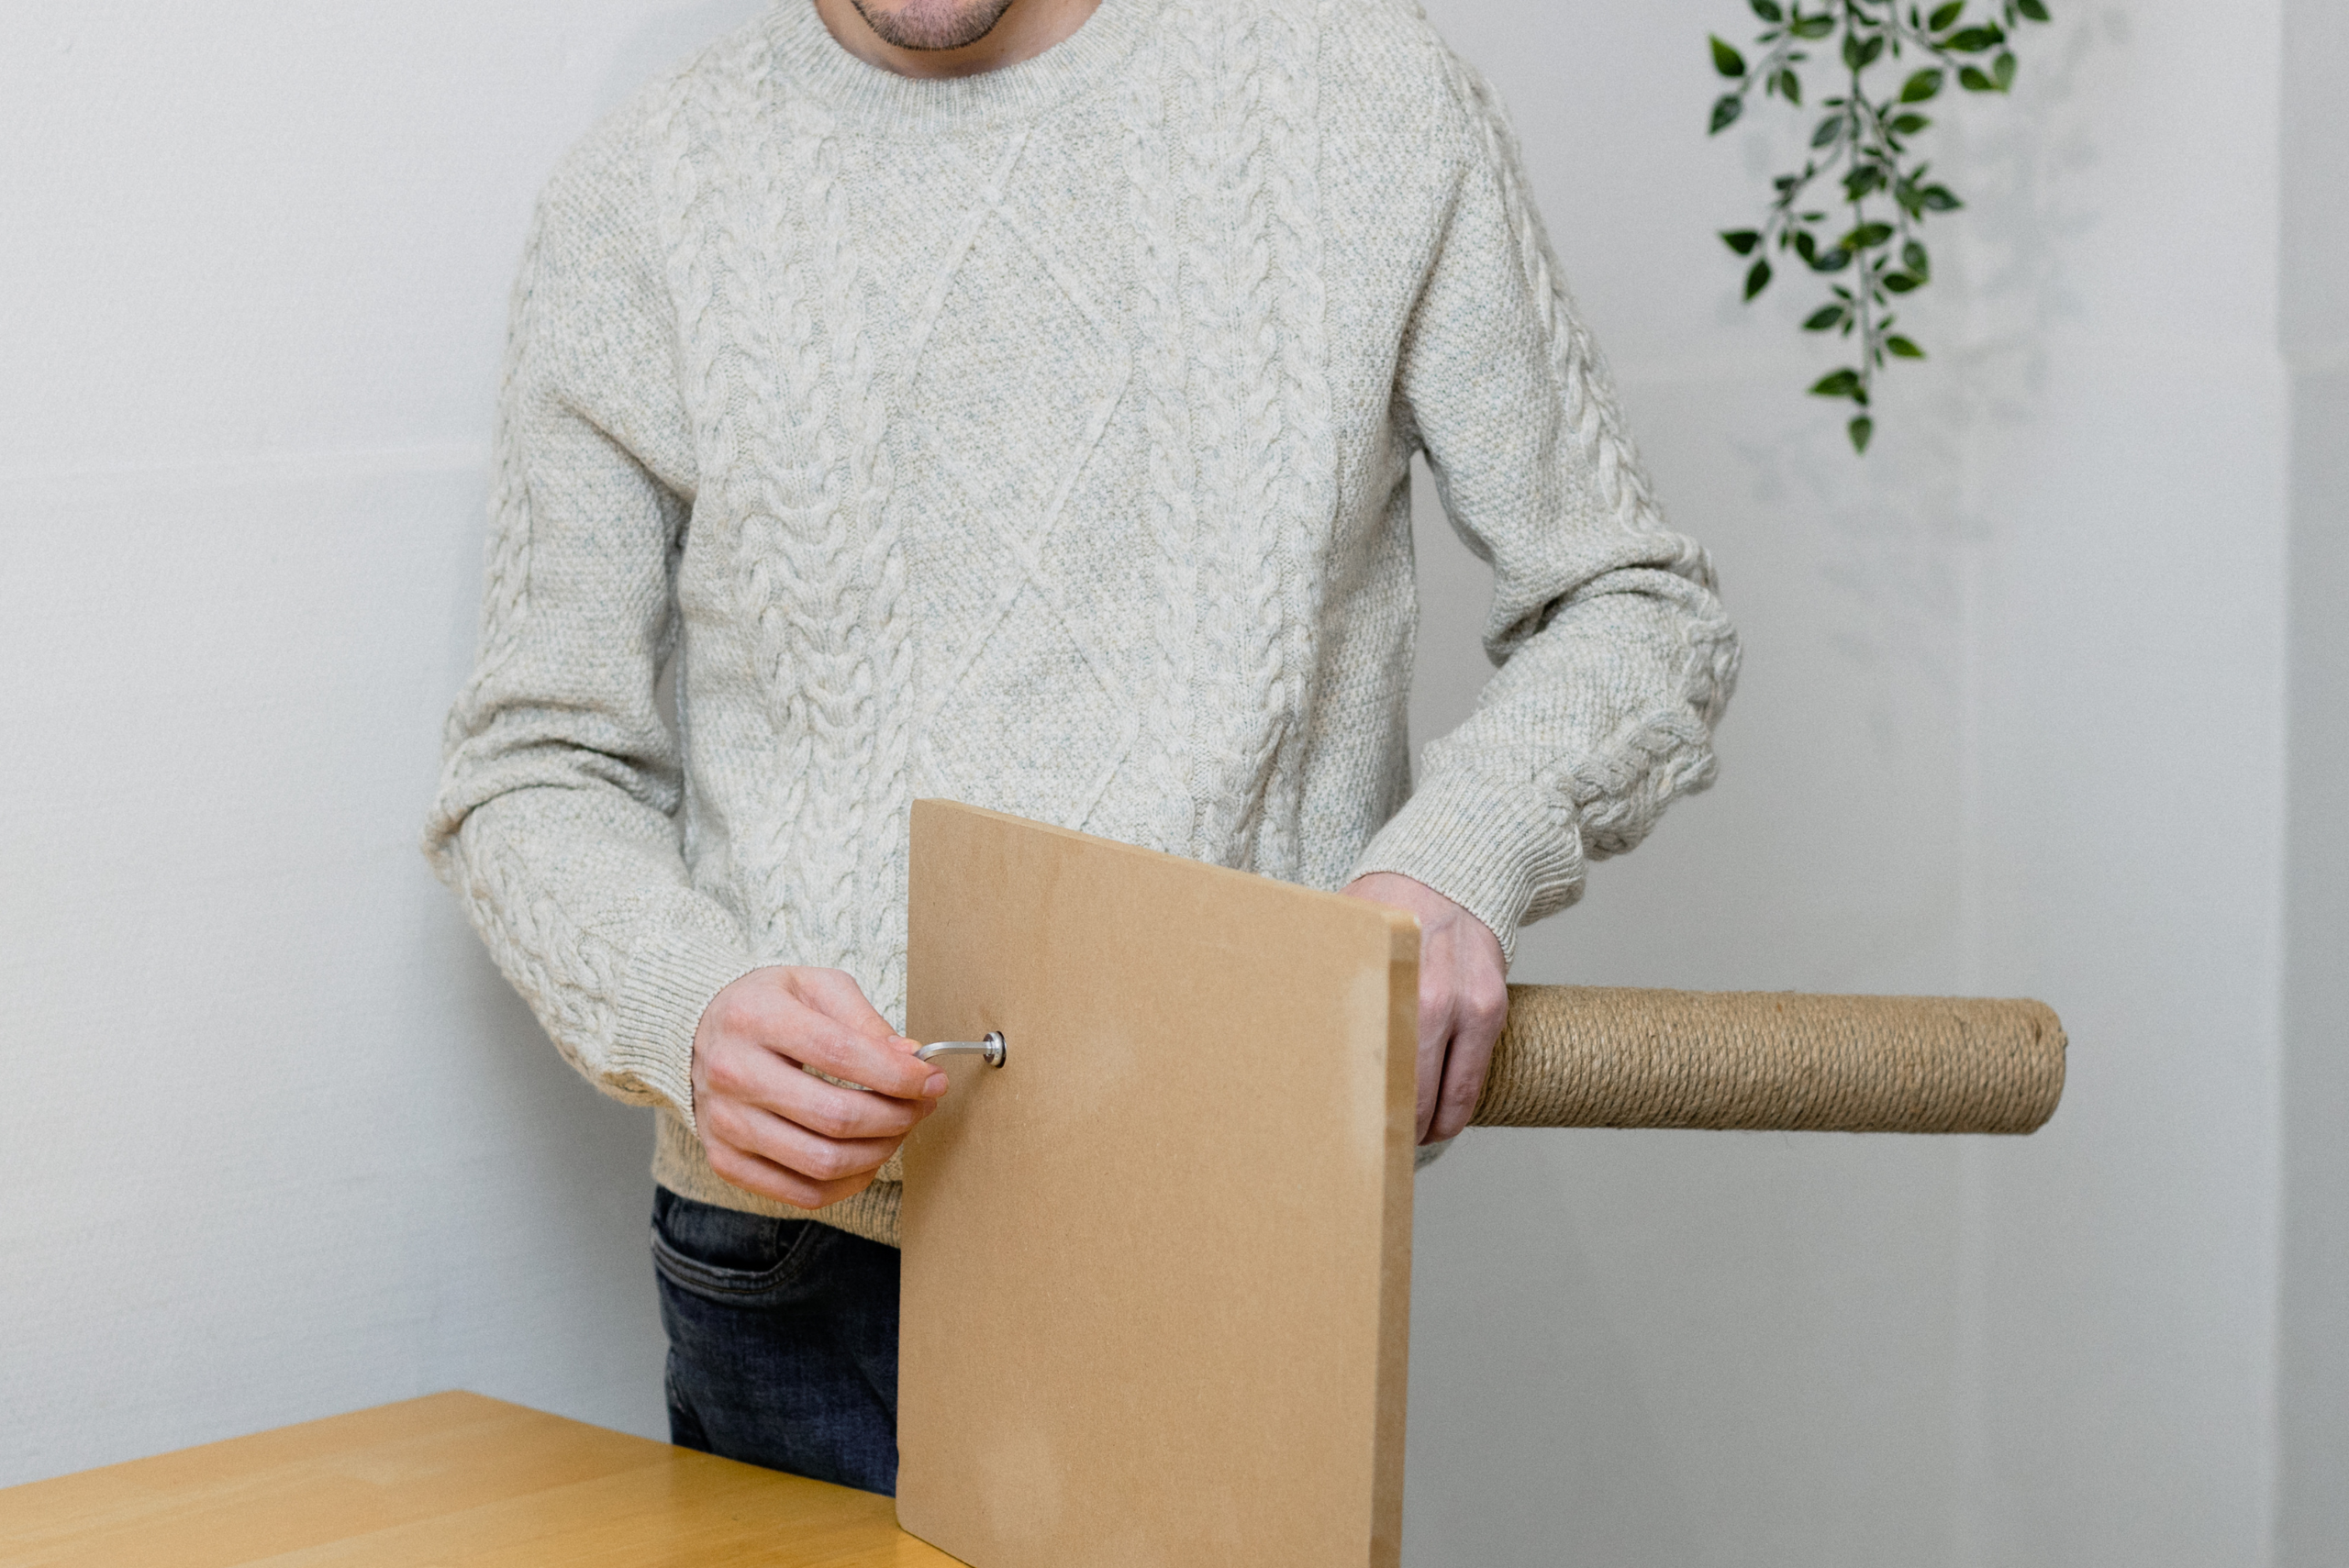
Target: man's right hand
[{"x": 769, "y": 1128}]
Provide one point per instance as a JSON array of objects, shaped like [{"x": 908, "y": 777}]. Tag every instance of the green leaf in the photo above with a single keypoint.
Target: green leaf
[
  {"x": 1901, "y": 283},
  {"x": 1859, "y": 54},
  {"x": 1975, "y": 40},
  {"x": 1831, "y": 262},
  {"x": 1791, "y": 86},
  {"x": 1826, "y": 315},
  {"x": 1904, "y": 348},
  {"x": 1830, "y": 130},
  {"x": 1804, "y": 246},
  {"x": 1866, "y": 237},
  {"x": 1920, "y": 86},
  {"x": 1812, "y": 26},
  {"x": 1837, "y": 383},
  {"x": 1861, "y": 429},
  {"x": 1757, "y": 279},
  {"x": 1939, "y": 198},
  {"x": 1861, "y": 180},
  {"x": 1726, "y": 108},
  {"x": 1767, "y": 10},
  {"x": 2035, "y": 9},
  {"x": 1912, "y": 256},
  {"x": 2003, "y": 69},
  {"x": 1741, "y": 241},
  {"x": 1727, "y": 61},
  {"x": 1908, "y": 124},
  {"x": 1975, "y": 81},
  {"x": 1944, "y": 14}
]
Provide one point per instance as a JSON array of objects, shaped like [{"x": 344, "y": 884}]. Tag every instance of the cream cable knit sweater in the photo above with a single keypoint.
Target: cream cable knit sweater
[{"x": 1039, "y": 440}]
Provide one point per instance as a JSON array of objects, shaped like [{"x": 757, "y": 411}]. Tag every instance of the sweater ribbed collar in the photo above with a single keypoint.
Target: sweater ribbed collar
[{"x": 814, "y": 62}]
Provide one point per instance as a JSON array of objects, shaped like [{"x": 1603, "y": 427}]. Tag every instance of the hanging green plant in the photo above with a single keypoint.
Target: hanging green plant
[{"x": 1867, "y": 145}]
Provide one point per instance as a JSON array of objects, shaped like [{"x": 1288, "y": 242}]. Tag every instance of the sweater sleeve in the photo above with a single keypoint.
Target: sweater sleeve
[
  {"x": 1614, "y": 657},
  {"x": 557, "y": 816}
]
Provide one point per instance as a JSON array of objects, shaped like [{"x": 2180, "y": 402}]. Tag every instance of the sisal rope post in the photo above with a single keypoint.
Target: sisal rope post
[{"x": 1593, "y": 1056}]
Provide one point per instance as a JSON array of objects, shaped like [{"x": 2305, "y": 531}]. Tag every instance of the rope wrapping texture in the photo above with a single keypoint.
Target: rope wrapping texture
[{"x": 1772, "y": 1061}]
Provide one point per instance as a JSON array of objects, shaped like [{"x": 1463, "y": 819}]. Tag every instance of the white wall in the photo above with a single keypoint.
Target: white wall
[
  {"x": 275, "y": 1141},
  {"x": 2012, "y": 722},
  {"x": 278, "y": 1143},
  {"x": 2313, "y": 1505}
]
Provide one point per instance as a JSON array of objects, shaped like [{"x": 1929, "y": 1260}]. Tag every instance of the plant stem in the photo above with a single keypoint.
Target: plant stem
[{"x": 1862, "y": 267}]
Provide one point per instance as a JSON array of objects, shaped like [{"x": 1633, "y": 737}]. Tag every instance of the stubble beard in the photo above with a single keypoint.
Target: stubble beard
[{"x": 933, "y": 24}]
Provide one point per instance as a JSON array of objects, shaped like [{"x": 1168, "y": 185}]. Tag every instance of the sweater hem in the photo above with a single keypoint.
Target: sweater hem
[{"x": 679, "y": 1165}]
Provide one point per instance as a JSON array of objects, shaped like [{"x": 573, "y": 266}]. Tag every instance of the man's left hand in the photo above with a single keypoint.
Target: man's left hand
[{"x": 1463, "y": 998}]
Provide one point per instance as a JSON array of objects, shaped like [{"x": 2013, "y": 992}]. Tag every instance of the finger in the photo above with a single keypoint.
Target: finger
[
  {"x": 1466, "y": 1059},
  {"x": 830, "y": 1110},
  {"x": 785, "y": 1143},
  {"x": 1435, "y": 1036},
  {"x": 756, "y": 1073},
  {"x": 778, "y": 1018},
  {"x": 1475, "y": 977},
  {"x": 835, "y": 993},
  {"x": 770, "y": 1180},
  {"x": 886, "y": 1065}
]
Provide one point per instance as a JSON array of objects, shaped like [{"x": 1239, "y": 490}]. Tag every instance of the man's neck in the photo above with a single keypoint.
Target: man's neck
[{"x": 1027, "y": 29}]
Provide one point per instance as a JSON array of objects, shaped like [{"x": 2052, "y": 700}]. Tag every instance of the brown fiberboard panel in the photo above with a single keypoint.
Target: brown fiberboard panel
[{"x": 1157, "y": 1266}]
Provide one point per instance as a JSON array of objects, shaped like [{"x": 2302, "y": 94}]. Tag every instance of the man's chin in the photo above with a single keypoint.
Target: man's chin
[{"x": 931, "y": 26}]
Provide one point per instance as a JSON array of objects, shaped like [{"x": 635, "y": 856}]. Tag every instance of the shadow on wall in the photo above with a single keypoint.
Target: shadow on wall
[
  {"x": 2026, "y": 162},
  {"x": 2000, "y": 290},
  {"x": 1900, "y": 525},
  {"x": 1689, "y": 1349}
]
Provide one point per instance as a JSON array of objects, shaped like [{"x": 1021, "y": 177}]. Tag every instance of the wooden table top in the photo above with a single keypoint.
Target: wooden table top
[{"x": 450, "y": 1481}]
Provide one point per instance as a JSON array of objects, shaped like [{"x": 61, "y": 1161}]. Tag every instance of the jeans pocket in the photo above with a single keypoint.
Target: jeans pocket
[{"x": 728, "y": 1255}]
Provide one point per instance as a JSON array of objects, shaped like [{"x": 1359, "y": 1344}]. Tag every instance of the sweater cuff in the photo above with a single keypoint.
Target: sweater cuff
[
  {"x": 1491, "y": 846},
  {"x": 671, "y": 981}
]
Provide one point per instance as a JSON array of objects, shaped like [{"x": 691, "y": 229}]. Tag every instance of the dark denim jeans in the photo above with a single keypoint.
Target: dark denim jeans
[{"x": 783, "y": 1341}]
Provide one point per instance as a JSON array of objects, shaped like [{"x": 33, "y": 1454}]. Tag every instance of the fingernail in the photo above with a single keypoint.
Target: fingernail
[{"x": 936, "y": 1086}]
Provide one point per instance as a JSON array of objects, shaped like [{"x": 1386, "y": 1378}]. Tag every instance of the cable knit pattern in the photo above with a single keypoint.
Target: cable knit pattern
[
  {"x": 1234, "y": 387},
  {"x": 1168, "y": 498},
  {"x": 569, "y": 975},
  {"x": 1620, "y": 792},
  {"x": 508, "y": 567},
  {"x": 1038, "y": 439},
  {"x": 1303, "y": 455}
]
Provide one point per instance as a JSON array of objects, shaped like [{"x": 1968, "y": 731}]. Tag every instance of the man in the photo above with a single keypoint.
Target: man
[{"x": 1012, "y": 400}]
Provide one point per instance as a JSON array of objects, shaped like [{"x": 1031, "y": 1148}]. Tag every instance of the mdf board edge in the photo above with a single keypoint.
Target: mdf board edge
[
  {"x": 1156, "y": 1288},
  {"x": 1395, "y": 1281}
]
